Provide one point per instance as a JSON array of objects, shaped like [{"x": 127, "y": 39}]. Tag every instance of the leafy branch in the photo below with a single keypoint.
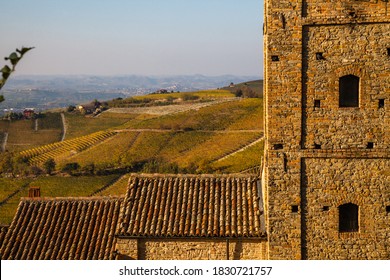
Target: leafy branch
[{"x": 6, "y": 71}]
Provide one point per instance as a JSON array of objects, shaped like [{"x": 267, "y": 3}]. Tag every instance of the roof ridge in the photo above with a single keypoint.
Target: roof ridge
[
  {"x": 70, "y": 198},
  {"x": 162, "y": 175}
]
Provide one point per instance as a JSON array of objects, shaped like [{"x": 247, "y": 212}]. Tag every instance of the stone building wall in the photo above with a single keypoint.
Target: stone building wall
[
  {"x": 191, "y": 249},
  {"x": 329, "y": 183},
  {"x": 335, "y": 8},
  {"x": 359, "y": 50},
  {"x": 309, "y": 148}
]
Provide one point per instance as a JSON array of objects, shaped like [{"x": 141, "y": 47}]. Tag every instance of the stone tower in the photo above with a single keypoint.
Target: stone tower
[{"x": 327, "y": 127}]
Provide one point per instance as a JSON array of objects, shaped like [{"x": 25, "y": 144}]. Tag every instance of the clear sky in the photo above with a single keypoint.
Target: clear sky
[{"x": 142, "y": 37}]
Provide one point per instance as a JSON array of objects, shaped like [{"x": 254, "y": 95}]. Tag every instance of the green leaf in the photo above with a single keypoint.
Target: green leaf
[
  {"x": 14, "y": 58},
  {"x": 1, "y": 97},
  {"x": 6, "y": 72},
  {"x": 24, "y": 50}
]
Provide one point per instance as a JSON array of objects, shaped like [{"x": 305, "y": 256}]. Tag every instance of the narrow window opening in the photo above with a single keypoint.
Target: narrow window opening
[
  {"x": 284, "y": 163},
  {"x": 325, "y": 208},
  {"x": 348, "y": 217},
  {"x": 274, "y": 58},
  {"x": 320, "y": 56},
  {"x": 388, "y": 209},
  {"x": 294, "y": 208},
  {"x": 317, "y": 146},
  {"x": 370, "y": 145},
  {"x": 278, "y": 146},
  {"x": 317, "y": 103},
  {"x": 381, "y": 103},
  {"x": 349, "y": 91},
  {"x": 388, "y": 51}
]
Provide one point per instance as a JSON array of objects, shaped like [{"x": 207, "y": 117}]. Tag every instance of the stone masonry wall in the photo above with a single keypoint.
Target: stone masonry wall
[
  {"x": 359, "y": 50},
  {"x": 192, "y": 249},
  {"x": 336, "y": 8},
  {"x": 330, "y": 183},
  {"x": 283, "y": 126},
  {"x": 304, "y": 144}
]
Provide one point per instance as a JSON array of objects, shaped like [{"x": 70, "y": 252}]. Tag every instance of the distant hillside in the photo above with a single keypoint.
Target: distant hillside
[
  {"x": 256, "y": 86},
  {"x": 47, "y": 92}
]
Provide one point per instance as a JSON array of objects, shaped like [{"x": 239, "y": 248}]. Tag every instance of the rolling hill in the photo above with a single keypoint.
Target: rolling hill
[{"x": 198, "y": 132}]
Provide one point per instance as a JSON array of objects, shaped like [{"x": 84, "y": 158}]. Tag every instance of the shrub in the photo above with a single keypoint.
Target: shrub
[
  {"x": 189, "y": 97},
  {"x": 49, "y": 165},
  {"x": 88, "y": 169},
  {"x": 71, "y": 168}
]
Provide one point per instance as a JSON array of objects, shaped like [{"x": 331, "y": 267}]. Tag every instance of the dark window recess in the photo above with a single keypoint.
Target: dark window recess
[
  {"x": 370, "y": 145},
  {"x": 388, "y": 51},
  {"x": 278, "y": 146},
  {"x": 320, "y": 56},
  {"x": 317, "y": 103},
  {"x": 325, "y": 208},
  {"x": 274, "y": 58},
  {"x": 348, "y": 217},
  {"x": 388, "y": 209},
  {"x": 381, "y": 103},
  {"x": 317, "y": 146},
  {"x": 294, "y": 208},
  {"x": 349, "y": 91}
]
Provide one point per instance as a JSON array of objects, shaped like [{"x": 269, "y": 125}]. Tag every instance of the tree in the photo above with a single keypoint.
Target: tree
[
  {"x": 49, "y": 166},
  {"x": 71, "y": 168},
  {"x": 6, "y": 71},
  {"x": 6, "y": 163},
  {"x": 71, "y": 108}
]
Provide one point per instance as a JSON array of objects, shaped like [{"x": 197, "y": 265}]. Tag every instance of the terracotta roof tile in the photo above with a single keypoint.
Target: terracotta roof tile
[
  {"x": 62, "y": 228},
  {"x": 3, "y": 232},
  {"x": 192, "y": 206}
]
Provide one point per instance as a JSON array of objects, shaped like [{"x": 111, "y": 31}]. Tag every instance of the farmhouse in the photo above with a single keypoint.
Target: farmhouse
[
  {"x": 28, "y": 113},
  {"x": 192, "y": 217},
  {"x": 87, "y": 108}
]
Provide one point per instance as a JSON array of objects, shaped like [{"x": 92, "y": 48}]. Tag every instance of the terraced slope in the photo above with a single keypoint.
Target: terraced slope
[{"x": 37, "y": 156}]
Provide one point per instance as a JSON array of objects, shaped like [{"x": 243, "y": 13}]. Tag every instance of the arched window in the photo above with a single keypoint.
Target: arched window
[
  {"x": 348, "y": 217},
  {"x": 349, "y": 91}
]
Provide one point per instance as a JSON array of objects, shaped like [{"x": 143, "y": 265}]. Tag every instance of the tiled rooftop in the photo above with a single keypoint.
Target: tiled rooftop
[
  {"x": 192, "y": 206},
  {"x": 3, "y": 232},
  {"x": 62, "y": 228}
]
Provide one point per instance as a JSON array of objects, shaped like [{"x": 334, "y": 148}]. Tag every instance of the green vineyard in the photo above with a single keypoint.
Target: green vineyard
[{"x": 39, "y": 155}]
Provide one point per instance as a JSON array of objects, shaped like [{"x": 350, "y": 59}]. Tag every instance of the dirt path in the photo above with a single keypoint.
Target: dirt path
[
  {"x": 64, "y": 128},
  {"x": 168, "y": 109},
  {"x": 36, "y": 125},
  {"x": 4, "y": 144},
  {"x": 183, "y": 130}
]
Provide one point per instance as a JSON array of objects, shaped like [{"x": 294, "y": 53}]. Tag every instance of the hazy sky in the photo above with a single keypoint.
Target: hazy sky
[{"x": 145, "y": 37}]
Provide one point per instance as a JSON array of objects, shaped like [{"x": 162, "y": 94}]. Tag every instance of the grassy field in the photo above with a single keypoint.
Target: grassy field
[
  {"x": 118, "y": 188},
  {"x": 22, "y": 134},
  {"x": 10, "y": 186},
  {"x": 50, "y": 187},
  {"x": 256, "y": 86},
  {"x": 201, "y": 95},
  {"x": 79, "y": 125},
  {"x": 241, "y": 161},
  {"x": 247, "y": 113},
  {"x": 216, "y": 147}
]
